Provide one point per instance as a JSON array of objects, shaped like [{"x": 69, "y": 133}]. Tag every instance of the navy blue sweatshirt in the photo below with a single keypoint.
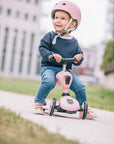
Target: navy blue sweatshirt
[{"x": 67, "y": 48}]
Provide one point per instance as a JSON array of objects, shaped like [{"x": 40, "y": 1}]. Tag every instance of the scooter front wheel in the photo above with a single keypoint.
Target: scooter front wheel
[
  {"x": 52, "y": 106},
  {"x": 85, "y": 109}
]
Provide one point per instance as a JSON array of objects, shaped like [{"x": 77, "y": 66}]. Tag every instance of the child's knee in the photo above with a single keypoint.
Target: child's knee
[
  {"x": 49, "y": 81},
  {"x": 81, "y": 86},
  {"x": 76, "y": 87}
]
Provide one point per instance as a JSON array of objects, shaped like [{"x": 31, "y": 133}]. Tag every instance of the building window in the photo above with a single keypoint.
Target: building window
[
  {"x": 28, "y": 1},
  {"x": 0, "y": 9},
  {"x": 22, "y": 52},
  {"x": 26, "y": 16},
  {"x": 4, "y": 49},
  {"x": 9, "y": 12},
  {"x": 38, "y": 65},
  {"x": 13, "y": 50},
  {"x": 36, "y": 1},
  {"x": 30, "y": 53},
  {"x": 34, "y": 18},
  {"x": 17, "y": 14}
]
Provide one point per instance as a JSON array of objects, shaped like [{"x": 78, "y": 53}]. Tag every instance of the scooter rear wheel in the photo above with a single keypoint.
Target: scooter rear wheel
[
  {"x": 85, "y": 110},
  {"x": 52, "y": 106}
]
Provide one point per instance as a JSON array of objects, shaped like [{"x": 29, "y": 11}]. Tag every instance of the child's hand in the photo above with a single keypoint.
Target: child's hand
[
  {"x": 57, "y": 57},
  {"x": 78, "y": 57}
]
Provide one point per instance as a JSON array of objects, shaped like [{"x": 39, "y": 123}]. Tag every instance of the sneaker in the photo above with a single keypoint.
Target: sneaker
[
  {"x": 37, "y": 108},
  {"x": 90, "y": 114}
]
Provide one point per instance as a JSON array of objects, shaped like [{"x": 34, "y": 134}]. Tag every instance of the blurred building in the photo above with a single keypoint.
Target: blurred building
[
  {"x": 89, "y": 71},
  {"x": 110, "y": 21},
  {"x": 19, "y": 38}
]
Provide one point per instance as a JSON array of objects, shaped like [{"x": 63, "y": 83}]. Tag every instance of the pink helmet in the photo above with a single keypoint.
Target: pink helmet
[{"x": 68, "y": 7}]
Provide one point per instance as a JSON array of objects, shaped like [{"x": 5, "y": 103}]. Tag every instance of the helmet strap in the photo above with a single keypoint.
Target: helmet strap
[
  {"x": 68, "y": 24},
  {"x": 66, "y": 28},
  {"x": 64, "y": 32},
  {"x": 72, "y": 29}
]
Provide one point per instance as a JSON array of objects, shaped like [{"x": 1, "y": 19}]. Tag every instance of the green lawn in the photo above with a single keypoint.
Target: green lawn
[
  {"x": 16, "y": 130},
  {"x": 98, "y": 97}
]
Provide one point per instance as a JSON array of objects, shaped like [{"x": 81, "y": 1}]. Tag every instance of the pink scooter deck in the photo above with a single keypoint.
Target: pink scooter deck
[{"x": 69, "y": 104}]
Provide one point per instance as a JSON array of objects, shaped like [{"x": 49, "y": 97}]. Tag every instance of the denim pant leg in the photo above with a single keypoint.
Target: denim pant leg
[
  {"x": 48, "y": 83},
  {"x": 79, "y": 89}
]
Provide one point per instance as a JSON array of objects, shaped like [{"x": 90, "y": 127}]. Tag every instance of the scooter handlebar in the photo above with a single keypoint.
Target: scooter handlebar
[{"x": 64, "y": 60}]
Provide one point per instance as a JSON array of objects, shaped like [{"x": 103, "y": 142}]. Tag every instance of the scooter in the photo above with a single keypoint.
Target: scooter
[{"x": 67, "y": 104}]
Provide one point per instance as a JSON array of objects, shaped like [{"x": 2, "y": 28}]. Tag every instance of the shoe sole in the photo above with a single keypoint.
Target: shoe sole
[{"x": 37, "y": 112}]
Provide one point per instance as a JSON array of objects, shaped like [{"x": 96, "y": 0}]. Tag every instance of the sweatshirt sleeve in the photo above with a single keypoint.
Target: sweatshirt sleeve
[
  {"x": 78, "y": 51},
  {"x": 44, "y": 47}
]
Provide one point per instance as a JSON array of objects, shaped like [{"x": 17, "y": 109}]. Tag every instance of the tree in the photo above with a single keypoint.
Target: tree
[{"x": 108, "y": 58}]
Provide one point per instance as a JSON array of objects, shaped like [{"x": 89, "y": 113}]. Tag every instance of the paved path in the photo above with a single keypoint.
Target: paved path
[{"x": 98, "y": 131}]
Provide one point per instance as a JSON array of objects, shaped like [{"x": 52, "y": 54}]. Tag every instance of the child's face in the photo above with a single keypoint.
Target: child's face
[{"x": 60, "y": 21}]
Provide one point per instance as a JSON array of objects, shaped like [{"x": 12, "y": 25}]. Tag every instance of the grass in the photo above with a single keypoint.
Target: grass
[
  {"x": 16, "y": 130},
  {"x": 98, "y": 97},
  {"x": 28, "y": 87}
]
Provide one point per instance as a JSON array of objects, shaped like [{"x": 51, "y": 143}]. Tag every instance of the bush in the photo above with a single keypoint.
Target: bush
[{"x": 108, "y": 55}]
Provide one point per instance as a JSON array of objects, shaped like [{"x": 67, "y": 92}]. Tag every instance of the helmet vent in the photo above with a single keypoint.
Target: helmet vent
[{"x": 64, "y": 3}]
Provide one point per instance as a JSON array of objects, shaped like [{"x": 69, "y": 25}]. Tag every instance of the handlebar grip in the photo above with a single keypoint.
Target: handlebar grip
[
  {"x": 51, "y": 58},
  {"x": 66, "y": 60}
]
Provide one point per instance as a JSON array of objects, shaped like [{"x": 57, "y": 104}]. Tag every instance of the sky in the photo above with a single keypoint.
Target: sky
[{"x": 92, "y": 28}]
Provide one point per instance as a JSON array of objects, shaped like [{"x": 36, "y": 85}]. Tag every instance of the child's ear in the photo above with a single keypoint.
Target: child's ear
[{"x": 73, "y": 24}]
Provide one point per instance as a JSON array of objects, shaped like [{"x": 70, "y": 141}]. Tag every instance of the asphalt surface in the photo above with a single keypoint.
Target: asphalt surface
[{"x": 97, "y": 131}]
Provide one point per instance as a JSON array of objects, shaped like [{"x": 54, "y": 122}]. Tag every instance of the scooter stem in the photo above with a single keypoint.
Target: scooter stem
[{"x": 64, "y": 67}]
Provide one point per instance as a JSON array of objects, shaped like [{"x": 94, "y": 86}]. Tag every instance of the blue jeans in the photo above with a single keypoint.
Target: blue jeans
[{"x": 48, "y": 74}]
